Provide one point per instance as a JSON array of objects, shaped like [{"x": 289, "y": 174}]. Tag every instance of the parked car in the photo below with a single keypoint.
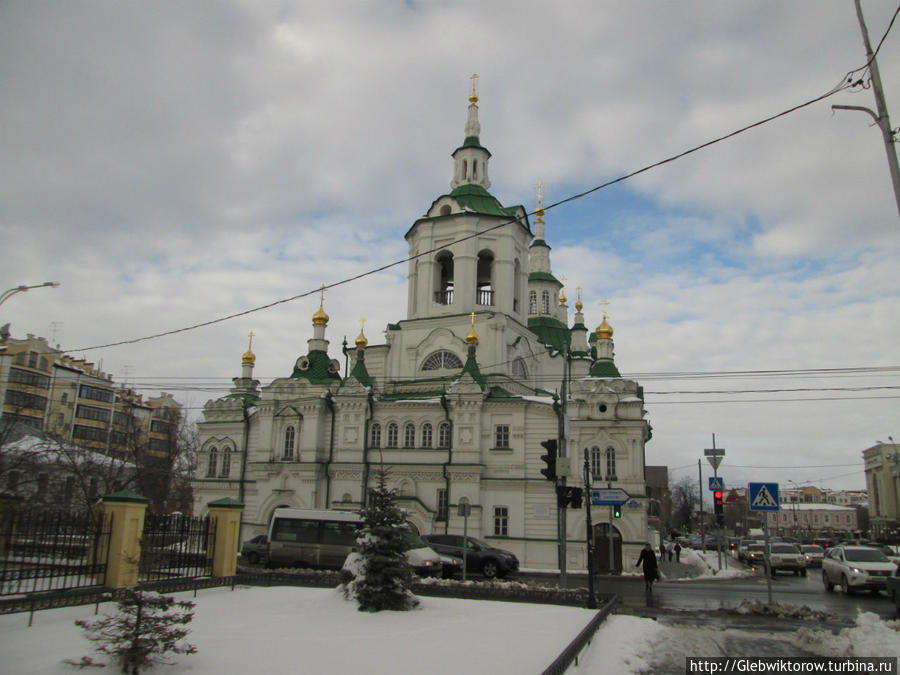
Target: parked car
[
  {"x": 480, "y": 556},
  {"x": 785, "y": 556},
  {"x": 450, "y": 567},
  {"x": 893, "y": 588},
  {"x": 742, "y": 548},
  {"x": 813, "y": 555},
  {"x": 254, "y": 550},
  {"x": 856, "y": 568}
]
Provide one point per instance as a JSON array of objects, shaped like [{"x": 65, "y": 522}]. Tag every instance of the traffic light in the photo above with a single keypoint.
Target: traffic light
[
  {"x": 549, "y": 471},
  {"x": 575, "y": 497},
  {"x": 617, "y": 511},
  {"x": 719, "y": 507}
]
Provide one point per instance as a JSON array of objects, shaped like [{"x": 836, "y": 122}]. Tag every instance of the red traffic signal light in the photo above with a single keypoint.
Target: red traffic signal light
[{"x": 717, "y": 496}]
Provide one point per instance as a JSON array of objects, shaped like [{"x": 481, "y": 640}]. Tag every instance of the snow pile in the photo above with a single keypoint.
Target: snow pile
[
  {"x": 871, "y": 636},
  {"x": 748, "y": 607},
  {"x": 708, "y": 564},
  {"x": 623, "y": 644}
]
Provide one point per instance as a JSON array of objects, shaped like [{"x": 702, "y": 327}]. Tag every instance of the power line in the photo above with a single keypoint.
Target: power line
[{"x": 845, "y": 83}]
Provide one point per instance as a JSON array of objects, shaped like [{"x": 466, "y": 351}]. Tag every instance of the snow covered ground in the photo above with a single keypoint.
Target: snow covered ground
[{"x": 287, "y": 629}]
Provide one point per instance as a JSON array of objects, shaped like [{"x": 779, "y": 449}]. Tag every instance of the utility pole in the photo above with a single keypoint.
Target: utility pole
[
  {"x": 881, "y": 119},
  {"x": 562, "y": 478}
]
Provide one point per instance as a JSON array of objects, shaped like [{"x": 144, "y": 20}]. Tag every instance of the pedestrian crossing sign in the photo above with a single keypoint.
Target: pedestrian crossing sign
[{"x": 763, "y": 496}]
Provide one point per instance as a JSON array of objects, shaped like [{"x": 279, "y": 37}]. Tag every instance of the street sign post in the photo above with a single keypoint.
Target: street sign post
[
  {"x": 763, "y": 496},
  {"x": 608, "y": 496}
]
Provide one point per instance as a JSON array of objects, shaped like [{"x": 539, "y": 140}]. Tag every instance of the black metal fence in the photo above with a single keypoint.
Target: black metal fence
[
  {"x": 52, "y": 551},
  {"x": 176, "y": 546}
]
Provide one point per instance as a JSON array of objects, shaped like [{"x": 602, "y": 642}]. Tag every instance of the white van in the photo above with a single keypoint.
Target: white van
[{"x": 320, "y": 538}]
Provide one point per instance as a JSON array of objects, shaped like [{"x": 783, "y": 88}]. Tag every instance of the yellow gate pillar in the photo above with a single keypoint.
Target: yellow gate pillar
[
  {"x": 226, "y": 514},
  {"x": 127, "y": 510}
]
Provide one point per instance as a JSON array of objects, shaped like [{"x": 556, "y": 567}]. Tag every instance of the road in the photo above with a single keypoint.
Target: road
[{"x": 713, "y": 594}]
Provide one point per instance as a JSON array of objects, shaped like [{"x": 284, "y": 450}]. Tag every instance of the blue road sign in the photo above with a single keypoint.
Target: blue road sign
[
  {"x": 608, "y": 496},
  {"x": 716, "y": 483},
  {"x": 763, "y": 496}
]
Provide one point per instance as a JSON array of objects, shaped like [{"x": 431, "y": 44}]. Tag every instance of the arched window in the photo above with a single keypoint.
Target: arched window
[
  {"x": 532, "y": 302},
  {"x": 596, "y": 463},
  {"x": 610, "y": 464},
  {"x": 545, "y": 302},
  {"x": 375, "y": 436},
  {"x": 213, "y": 460},
  {"x": 444, "y": 435},
  {"x": 443, "y": 292},
  {"x": 409, "y": 436},
  {"x": 518, "y": 368},
  {"x": 484, "y": 290},
  {"x": 226, "y": 463},
  {"x": 391, "y": 435},
  {"x": 517, "y": 285},
  {"x": 442, "y": 360},
  {"x": 289, "y": 436},
  {"x": 427, "y": 434}
]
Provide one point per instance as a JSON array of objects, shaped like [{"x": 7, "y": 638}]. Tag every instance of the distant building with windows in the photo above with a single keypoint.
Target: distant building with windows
[
  {"x": 882, "y": 462},
  {"x": 800, "y": 519},
  {"x": 44, "y": 391},
  {"x": 455, "y": 403}
]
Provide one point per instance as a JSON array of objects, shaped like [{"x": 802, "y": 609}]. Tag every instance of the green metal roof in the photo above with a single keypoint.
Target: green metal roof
[
  {"x": 481, "y": 201},
  {"x": 543, "y": 276},
  {"x": 361, "y": 373},
  {"x": 550, "y": 331},
  {"x": 318, "y": 372},
  {"x": 605, "y": 368}
]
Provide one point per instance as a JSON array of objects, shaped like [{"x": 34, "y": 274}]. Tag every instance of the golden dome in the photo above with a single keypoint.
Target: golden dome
[
  {"x": 579, "y": 305},
  {"x": 361, "y": 340},
  {"x": 473, "y": 97},
  {"x": 604, "y": 330},
  {"x": 320, "y": 318},
  {"x": 472, "y": 336},
  {"x": 249, "y": 358}
]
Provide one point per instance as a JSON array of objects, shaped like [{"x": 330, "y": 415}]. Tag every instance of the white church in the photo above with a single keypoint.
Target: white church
[{"x": 455, "y": 403}]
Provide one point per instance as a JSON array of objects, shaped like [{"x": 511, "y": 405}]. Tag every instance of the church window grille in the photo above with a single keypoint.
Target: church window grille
[
  {"x": 545, "y": 302},
  {"x": 596, "y": 463},
  {"x": 375, "y": 436},
  {"x": 501, "y": 436},
  {"x": 409, "y": 436},
  {"x": 532, "y": 302},
  {"x": 484, "y": 293},
  {"x": 443, "y": 504},
  {"x": 501, "y": 521},
  {"x": 392, "y": 433},
  {"x": 289, "y": 438},
  {"x": 610, "y": 464},
  {"x": 517, "y": 285},
  {"x": 213, "y": 461},
  {"x": 427, "y": 435},
  {"x": 443, "y": 293},
  {"x": 442, "y": 360},
  {"x": 444, "y": 435},
  {"x": 518, "y": 368},
  {"x": 226, "y": 463}
]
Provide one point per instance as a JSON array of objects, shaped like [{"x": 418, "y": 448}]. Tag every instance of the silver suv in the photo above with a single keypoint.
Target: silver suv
[
  {"x": 784, "y": 556},
  {"x": 856, "y": 568}
]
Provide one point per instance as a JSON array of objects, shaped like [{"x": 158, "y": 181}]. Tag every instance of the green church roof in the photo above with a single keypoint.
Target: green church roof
[
  {"x": 481, "y": 201},
  {"x": 318, "y": 371},
  {"x": 551, "y": 332}
]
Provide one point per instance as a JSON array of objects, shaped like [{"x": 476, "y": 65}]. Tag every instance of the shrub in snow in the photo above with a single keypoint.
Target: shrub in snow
[
  {"x": 147, "y": 627},
  {"x": 379, "y": 576}
]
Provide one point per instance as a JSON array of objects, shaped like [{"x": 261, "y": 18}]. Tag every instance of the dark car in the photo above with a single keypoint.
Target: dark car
[
  {"x": 480, "y": 556},
  {"x": 254, "y": 550}
]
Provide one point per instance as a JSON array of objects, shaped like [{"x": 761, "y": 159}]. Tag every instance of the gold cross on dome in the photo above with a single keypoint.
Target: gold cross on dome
[
  {"x": 362, "y": 323},
  {"x": 604, "y": 303},
  {"x": 474, "y": 88},
  {"x": 540, "y": 193},
  {"x": 472, "y": 315},
  {"x": 578, "y": 293},
  {"x": 321, "y": 296},
  {"x": 251, "y": 339}
]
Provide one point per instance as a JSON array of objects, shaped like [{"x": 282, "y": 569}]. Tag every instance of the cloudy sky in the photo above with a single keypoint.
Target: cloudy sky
[{"x": 173, "y": 163}]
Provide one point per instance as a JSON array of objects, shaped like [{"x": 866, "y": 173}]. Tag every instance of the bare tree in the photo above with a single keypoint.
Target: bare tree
[{"x": 684, "y": 502}]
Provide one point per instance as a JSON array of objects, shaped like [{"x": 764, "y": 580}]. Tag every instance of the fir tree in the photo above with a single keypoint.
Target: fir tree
[
  {"x": 146, "y": 628},
  {"x": 383, "y": 575}
]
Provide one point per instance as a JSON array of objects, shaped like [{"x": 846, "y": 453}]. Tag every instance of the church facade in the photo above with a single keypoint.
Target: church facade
[{"x": 457, "y": 401}]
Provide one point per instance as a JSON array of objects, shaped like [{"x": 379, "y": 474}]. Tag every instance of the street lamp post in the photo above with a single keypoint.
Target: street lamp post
[{"x": 7, "y": 294}]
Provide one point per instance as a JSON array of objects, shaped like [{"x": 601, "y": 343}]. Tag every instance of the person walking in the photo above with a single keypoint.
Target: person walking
[
  {"x": 651, "y": 570},
  {"x": 677, "y": 552},
  {"x": 669, "y": 551}
]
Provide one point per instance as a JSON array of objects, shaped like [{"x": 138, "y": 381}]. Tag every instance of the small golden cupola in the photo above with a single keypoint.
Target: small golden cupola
[
  {"x": 604, "y": 330},
  {"x": 249, "y": 358},
  {"x": 472, "y": 336},
  {"x": 320, "y": 318},
  {"x": 579, "y": 305},
  {"x": 361, "y": 341}
]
